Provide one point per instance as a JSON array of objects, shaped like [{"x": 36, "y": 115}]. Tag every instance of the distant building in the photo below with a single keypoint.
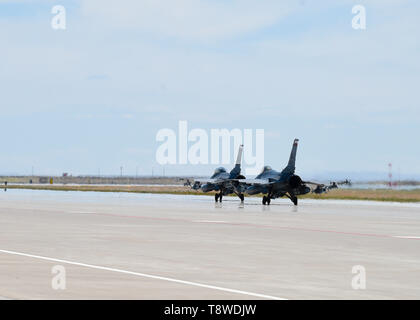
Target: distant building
[{"x": 43, "y": 180}]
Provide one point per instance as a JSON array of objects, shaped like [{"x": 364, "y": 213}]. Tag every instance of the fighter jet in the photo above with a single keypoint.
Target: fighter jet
[
  {"x": 223, "y": 182},
  {"x": 321, "y": 188},
  {"x": 345, "y": 182},
  {"x": 274, "y": 184}
]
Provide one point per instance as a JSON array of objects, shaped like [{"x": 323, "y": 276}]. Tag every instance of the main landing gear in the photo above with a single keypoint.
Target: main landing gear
[
  {"x": 266, "y": 200},
  {"x": 240, "y": 195},
  {"x": 219, "y": 197},
  {"x": 293, "y": 198}
]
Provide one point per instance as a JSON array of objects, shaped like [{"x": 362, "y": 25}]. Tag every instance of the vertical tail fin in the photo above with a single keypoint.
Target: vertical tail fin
[
  {"x": 239, "y": 157},
  {"x": 237, "y": 169},
  {"x": 292, "y": 160}
]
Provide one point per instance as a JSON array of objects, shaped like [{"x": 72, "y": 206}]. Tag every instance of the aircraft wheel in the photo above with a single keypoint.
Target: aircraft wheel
[
  {"x": 216, "y": 197},
  {"x": 268, "y": 201},
  {"x": 295, "y": 201},
  {"x": 220, "y": 197},
  {"x": 241, "y": 196},
  {"x": 264, "y": 200}
]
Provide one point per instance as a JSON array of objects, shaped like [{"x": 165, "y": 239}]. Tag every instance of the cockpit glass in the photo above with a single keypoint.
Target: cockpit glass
[
  {"x": 265, "y": 169},
  {"x": 219, "y": 170}
]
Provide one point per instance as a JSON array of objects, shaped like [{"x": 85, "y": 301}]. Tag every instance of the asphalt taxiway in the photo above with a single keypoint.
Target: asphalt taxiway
[{"x": 151, "y": 246}]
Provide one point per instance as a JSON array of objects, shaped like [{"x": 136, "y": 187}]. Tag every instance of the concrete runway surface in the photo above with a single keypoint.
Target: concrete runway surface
[{"x": 144, "y": 246}]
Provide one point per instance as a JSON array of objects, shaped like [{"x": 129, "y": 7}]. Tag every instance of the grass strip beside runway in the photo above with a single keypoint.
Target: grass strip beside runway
[{"x": 338, "y": 194}]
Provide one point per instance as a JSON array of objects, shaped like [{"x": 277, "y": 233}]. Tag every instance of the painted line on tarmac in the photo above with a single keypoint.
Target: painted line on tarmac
[
  {"x": 210, "y": 221},
  {"x": 144, "y": 275},
  {"x": 407, "y": 237}
]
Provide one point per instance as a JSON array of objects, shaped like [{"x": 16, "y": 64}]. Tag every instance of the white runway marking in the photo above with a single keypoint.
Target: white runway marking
[
  {"x": 407, "y": 237},
  {"x": 144, "y": 275},
  {"x": 210, "y": 221}
]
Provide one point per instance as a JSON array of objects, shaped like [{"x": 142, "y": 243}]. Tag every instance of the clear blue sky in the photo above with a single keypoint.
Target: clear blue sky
[{"x": 92, "y": 97}]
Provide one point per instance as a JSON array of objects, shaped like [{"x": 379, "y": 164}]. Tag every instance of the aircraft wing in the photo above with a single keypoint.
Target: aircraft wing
[
  {"x": 242, "y": 181},
  {"x": 254, "y": 181},
  {"x": 212, "y": 181},
  {"x": 314, "y": 183},
  {"x": 204, "y": 180}
]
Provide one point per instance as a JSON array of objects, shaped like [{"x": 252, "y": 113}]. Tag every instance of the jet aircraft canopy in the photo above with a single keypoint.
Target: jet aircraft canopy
[
  {"x": 265, "y": 169},
  {"x": 219, "y": 170}
]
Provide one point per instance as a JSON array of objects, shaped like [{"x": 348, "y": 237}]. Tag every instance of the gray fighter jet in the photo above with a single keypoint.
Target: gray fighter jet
[
  {"x": 274, "y": 184},
  {"x": 224, "y": 182}
]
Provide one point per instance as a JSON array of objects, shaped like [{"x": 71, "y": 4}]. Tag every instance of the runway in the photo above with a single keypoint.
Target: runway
[{"x": 151, "y": 246}]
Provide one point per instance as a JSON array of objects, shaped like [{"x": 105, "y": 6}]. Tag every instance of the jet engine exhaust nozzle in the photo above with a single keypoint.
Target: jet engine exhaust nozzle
[{"x": 295, "y": 182}]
